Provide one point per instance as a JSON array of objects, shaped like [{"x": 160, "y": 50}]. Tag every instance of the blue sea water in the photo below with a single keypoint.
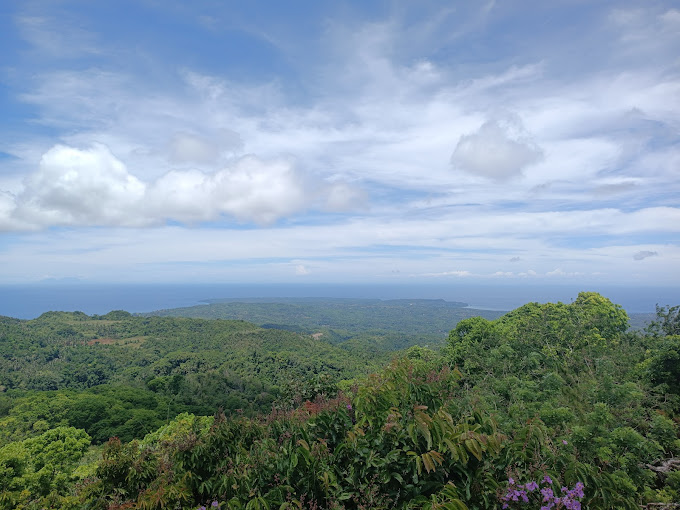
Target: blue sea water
[{"x": 29, "y": 301}]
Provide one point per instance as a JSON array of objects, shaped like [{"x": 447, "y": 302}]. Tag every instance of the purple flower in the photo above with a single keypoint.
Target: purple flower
[
  {"x": 572, "y": 504},
  {"x": 550, "y": 501},
  {"x": 578, "y": 490},
  {"x": 215, "y": 504},
  {"x": 564, "y": 441},
  {"x": 349, "y": 406},
  {"x": 547, "y": 494}
]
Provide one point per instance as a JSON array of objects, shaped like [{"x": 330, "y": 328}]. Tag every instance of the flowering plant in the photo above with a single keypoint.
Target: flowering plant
[
  {"x": 214, "y": 504},
  {"x": 543, "y": 494}
]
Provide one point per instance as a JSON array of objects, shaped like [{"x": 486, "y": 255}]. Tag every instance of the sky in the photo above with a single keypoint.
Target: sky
[{"x": 318, "y": 141}]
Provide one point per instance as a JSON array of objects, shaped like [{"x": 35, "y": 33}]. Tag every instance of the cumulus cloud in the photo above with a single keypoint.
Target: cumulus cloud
[
  {"x": 92, "y": 187},
  {"x": 515, "y": 259},
  {"x": 641, "y": 255},
  {"x": 250, "y": 190},
  {"x": 499, "y": 150},
  {"x": 7, "y": 206},
  {"x": 74, "y": 186}
]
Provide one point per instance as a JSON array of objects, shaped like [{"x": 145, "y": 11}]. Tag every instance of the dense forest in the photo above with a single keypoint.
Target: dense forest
[{"x": 548, "y": 406}]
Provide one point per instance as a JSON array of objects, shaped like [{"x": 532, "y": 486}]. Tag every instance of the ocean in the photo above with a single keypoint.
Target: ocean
[{"x": 30, "y": 301}]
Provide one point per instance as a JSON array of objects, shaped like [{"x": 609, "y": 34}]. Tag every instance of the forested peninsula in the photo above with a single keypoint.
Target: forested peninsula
[{"x": 548, "y": 406}]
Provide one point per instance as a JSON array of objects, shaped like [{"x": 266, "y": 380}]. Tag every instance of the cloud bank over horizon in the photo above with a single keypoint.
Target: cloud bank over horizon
[{"x": 381, "y": 143}]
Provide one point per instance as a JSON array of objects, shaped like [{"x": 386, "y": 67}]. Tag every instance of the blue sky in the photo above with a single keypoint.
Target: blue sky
[{"x": 318, "y": 141}]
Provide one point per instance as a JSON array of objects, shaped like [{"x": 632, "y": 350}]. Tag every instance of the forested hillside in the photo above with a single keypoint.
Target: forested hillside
[
  {"x": 373, "y": 323},
  {"x": 119, "y": 375},
  {"x": 549, "y": 406}
]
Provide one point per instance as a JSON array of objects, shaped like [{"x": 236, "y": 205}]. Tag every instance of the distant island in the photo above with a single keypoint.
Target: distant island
[{"x": 399, "y": 323}]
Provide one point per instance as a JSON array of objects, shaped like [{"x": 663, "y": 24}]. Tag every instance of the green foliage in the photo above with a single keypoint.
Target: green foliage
[
  {"x": 664, "y": 366},
  {"x": 570, "y": 371},
  {"x": 667, "y": 321},
  {"x": 124, "y": 376},
  {"x": 41, "y": 468},
  {"x": 552, "y": 390},
  {"x": 103, "y": 412},
  {"x": 394, "y": 444}
]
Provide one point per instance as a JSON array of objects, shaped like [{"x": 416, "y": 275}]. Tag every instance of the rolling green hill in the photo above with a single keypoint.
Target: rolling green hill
[
  {"x": 158, "y": 366},
  {"x": 378, "y": 324}
]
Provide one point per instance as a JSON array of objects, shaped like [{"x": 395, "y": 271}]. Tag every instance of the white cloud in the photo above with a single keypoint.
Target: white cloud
[
  {"x": 76, "y": 187},
  {"x": 458, "y": 274},
  {"x": 525, "y": 274},
  {"x": 7, "y": 207},
  {"x": 499, "y": 150},
  {"x": 369, "y": 124},
  {"x": 671, "y": 20},
  {"x": 350, "y": 251},
  {"x": 566, "y": 274},
  {"x": 84, "y": 187},
  {"x": 301, "y": 270},
  {"x": 250, "y": 190}
]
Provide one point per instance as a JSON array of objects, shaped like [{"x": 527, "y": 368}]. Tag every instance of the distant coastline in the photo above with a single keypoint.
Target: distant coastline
[{"x": 30, "y": 301}]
